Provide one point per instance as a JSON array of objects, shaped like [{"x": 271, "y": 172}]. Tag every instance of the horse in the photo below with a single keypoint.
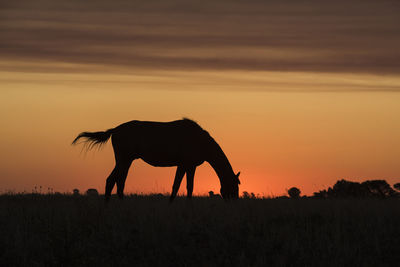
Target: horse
[{"x": 182, "y": 143}]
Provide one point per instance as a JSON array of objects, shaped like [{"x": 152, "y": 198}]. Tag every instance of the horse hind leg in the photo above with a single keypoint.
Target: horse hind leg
[
  {"x": 121, "y": 178},
  {"x": 117, "y": 176},
  {"x": 110, "y": 182}
]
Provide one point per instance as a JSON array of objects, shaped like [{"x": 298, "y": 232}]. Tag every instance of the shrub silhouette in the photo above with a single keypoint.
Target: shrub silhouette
[
  {"x": 212, "y": 195},
  {"x": 75, "y": 192},
  {"x": 248, "y": 195},
  {"x": 92, "y": 192},
  {"x": 245, "y": 194},
  {"x": 294, "y": 192}
]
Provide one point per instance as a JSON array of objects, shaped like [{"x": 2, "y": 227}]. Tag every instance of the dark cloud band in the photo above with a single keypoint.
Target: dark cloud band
[{"x": 345, "y": 36}]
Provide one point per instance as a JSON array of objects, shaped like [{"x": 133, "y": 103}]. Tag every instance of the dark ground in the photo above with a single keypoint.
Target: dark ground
[{"x": 62, "y": 230}]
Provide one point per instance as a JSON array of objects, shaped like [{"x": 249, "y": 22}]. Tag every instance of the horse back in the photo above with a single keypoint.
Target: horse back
[{"x": 162, "y": 143}]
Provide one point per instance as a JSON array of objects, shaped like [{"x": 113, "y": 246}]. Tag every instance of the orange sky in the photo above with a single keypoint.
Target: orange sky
[{"x": 296, "y": 95}]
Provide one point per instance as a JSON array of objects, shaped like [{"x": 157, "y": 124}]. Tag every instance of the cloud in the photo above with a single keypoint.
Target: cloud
[{"x": 306, "y": 36}]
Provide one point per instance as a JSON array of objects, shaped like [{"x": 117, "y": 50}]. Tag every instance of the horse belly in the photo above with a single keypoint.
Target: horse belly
[
  {"x": 161, "y": 160},
  {"x": 171, "y": 157},
  {"x": 158, "y": 163}
]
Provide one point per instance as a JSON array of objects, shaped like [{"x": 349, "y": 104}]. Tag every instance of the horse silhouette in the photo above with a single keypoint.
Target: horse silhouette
[{"x": 182, "y": 143}]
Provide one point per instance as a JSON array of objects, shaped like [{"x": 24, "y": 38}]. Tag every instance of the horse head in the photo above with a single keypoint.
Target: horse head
[{"x": 230, "y": 187}]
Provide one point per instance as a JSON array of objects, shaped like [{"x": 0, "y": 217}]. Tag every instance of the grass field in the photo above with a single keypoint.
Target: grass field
[{"x": 62, "y": 230}]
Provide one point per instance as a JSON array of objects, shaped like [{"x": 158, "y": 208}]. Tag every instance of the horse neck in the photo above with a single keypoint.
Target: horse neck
[{"x": 219, "y": 162}]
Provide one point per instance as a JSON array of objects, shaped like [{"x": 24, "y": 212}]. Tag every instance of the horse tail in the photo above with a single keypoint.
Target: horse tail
[{"x": 92, "y": 139}]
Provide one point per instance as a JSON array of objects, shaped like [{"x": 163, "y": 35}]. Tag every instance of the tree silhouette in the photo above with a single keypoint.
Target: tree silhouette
[
  {"x": 294, "y": 192},
  {"x": 379, "y": 188},
  {"x": 397, "y": 186},
  {"x": 369, "y": 188},
  {"x": 345, "y": 188}
]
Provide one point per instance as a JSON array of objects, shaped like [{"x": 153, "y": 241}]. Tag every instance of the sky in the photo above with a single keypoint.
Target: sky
[{"x": 297, "y": 93}]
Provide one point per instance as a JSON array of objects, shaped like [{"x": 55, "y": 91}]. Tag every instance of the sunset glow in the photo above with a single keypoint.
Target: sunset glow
[{"x": 295, "y": 95}]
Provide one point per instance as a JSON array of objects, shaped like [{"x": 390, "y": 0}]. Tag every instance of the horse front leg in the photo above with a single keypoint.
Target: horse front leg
[
  {"x": 190, "y": 181},
  {"x": 180, "y": 172}
]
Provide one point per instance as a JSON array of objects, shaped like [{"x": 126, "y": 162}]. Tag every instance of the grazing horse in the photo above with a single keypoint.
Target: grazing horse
[{"x": 182, "y": 143}]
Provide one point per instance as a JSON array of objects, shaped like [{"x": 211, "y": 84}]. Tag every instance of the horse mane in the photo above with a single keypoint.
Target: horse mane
[
  {"x": 192, "y": 122},
  {"x": 195, "y": 125},
  {"x": 213, "y": 144}
]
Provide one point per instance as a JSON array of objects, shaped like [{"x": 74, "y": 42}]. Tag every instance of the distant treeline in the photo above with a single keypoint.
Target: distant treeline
[
  {"x": 369, "y": 188},
  {"x": 344, "y": 189}
]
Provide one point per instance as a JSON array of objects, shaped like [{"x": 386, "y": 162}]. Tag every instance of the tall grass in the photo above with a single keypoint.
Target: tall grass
[{"x": 62, "y": 230}]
